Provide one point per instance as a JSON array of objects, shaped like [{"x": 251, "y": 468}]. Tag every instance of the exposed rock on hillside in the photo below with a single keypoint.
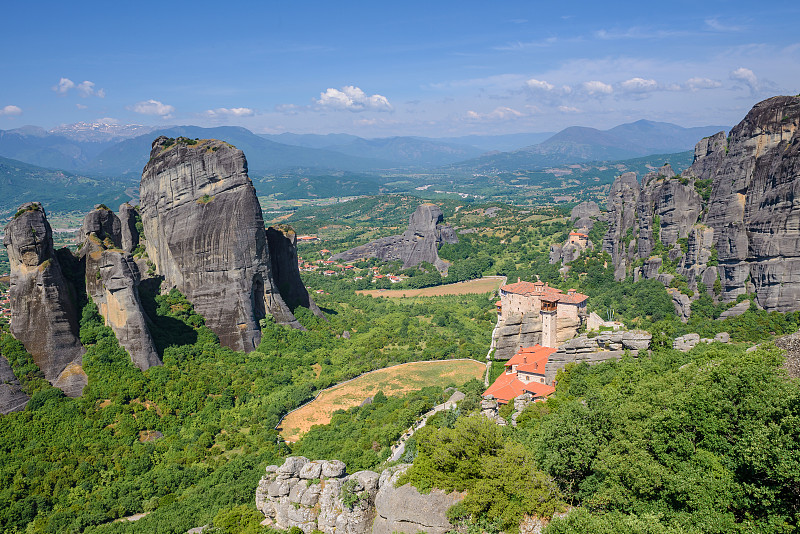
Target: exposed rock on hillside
[
  {"x": 603, "y": 347},
  {"x": 12, "y": 398},
  {"x": 426, "y": 233},
  {"x": 621, "y": 206},
  {"x": 525, "y": 330},
  {"x": 282, "y": 243},
  {"x": 735, "y": 207},
  {"x": 319, "y": 495},
  {"x": 205, "y": 232},
  {"x": 43, "y": 314},
  {"x": 130, "y": 235},
  {"x": 584, "y": 215},
  {"x": 112, "y": 280}
]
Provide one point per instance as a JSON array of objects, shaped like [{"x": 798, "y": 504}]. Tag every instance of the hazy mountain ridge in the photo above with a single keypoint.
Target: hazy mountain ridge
[{"x": 578, "y": 144}]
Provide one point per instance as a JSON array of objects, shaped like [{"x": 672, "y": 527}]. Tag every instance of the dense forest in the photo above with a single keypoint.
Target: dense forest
[{"x": 704, "y": 441}]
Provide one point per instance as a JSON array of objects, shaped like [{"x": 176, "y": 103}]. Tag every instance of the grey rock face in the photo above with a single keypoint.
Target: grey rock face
[
  {"x": 43, "y": 314},
  {"x": 406, "y": 510},
  {"x": 682, "y": 304},
  {"x": 591, "y": 350},
  {"x": 12, "y": 398},
  {"x": 420, "y": 242},
  {"x": 205, "y": 232},
  {"x": 282, "y": 243},
  {"x": 112, "y": 280},
  {"x": 752, "y": 208},
  {"x": 621, "y": 206},
  {"x": 585, "y": 210},
  {"x": 735, "y": 311},
  {"x": 130, "y": 235},
  {"x": 288, "y": 498}
]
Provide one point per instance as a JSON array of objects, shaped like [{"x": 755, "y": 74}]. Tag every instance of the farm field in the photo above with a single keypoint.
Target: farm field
[
  {"x": 486, "y": 284},
  {"x": 392, "y": 381}
]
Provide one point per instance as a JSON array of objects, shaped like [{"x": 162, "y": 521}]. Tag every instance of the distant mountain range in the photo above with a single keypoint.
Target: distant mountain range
[
  {"x": 102, "y": 148},
  {"x": 60, "y": 190},
  {"x": 580, "y": 144}
]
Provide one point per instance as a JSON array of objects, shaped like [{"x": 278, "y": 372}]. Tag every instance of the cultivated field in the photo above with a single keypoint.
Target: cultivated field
[
  {"x": 488, "y": 284},
  {"x": 393, "y": 381}
]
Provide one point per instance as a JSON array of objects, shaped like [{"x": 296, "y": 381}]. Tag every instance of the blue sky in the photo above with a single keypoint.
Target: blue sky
[{"x": 394, "y": 68}]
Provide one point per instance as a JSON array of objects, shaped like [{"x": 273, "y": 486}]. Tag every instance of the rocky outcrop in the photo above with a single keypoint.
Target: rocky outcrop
[
  {"x": 319, "y": 495},
  {"x": 515, "y": 331},
  {"x": 603, "y": 347},
  {"x": 753, "y": 207},
  {"x": 282, "y": 243},
  {"x": 12, "y": 398},
  {"x": 404, "y": 509},
  {"x": 419, "y": 243},
  {"x": 205, "y": 233},
  {"x": 584, "y": 215},
  {"x": 112, "y": 281},
  {"x": 687, "y": 342},
  {"x": 623, "y": 199},
  {"x": 735, "y": 206},
  {"x": 129, "y": 233},
  {"x": 43, "y": 312}
]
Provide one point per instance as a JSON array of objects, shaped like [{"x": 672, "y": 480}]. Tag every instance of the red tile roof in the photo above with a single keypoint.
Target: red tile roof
[
  {"x": 530, "y": 354},
  {"x": 544, "y": 292},
  {"x": 508, "y": 386}
]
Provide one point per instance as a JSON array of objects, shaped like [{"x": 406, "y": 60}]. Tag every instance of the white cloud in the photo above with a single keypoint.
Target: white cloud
[
  {"x": 85, "y": 88},
  {"x": 64, "y": 85},
  {"x": 595, "y": 87},
  {"x": 747, "y": 77},
  {"x": 352, "y": 98},
  {"x": 11, "y": 110},
  {"x": 498, "y": 114},
  {"x": 639, "y": 85},
  {"x": 153, "y": 107},
  {"x": 539, "y": 85},
  {"x": 568, "y": 109},
  {"x": 695, "y": 84},
  {"x": 81, "y": 106},
  {"x": 230, "y": 112}
]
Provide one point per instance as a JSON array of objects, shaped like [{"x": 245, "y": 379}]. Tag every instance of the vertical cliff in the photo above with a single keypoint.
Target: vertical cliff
[
  {"x": 282, "y": 244},
  {"x": 112, "y": 280},
  {"x": 735, "y": 206},
  {"x": 43, "y": 302},
  {"x": 205, "y": 233}
]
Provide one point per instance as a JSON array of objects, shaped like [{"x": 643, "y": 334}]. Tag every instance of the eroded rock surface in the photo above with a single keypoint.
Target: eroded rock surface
[
  {"x": 319, "y": 495},
  {"x": 112, "y": 281},
  {"x": 282, "y": 243},
  {"x": 205, "y": 232},
  {"x": 419, "y": 243},
  {"x": 605, "y": 346},
  {"x": 43, "y": 313}
]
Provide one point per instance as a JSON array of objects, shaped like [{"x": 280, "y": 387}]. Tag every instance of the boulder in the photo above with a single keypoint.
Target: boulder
[{"x": 128, "y": 217}]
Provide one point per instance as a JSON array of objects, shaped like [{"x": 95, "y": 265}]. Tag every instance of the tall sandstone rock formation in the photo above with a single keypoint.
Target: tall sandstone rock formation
[
  {"x": 746, "y": 235},
  {"x": 419, "y": 243},
  {"x": 43, "y": 301},
  {"x": 205, "y": 233},
  {"x": 112, "y": 281}
]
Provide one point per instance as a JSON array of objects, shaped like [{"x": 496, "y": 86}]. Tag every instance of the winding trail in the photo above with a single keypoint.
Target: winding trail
[{"x": 400, "y": 447}]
